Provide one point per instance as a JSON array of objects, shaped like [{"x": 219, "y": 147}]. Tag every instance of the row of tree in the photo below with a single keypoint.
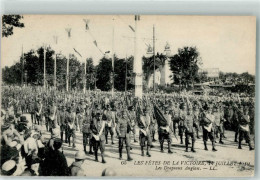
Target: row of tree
[
  {"x": 31, "y": 68},
  {"x": 184, "y": 66}
]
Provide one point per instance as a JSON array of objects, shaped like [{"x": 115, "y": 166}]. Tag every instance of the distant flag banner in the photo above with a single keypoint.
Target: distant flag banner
[
  {"x": 159, "y": 116},
  {"x": 131, "y": 28},
  {"x": 95, "y": 42}
]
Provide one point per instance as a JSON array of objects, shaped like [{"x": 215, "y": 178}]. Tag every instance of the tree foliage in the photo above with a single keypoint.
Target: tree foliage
[
  {"x": 9, "y": 22},
  {"x": 184, "y": 66}
]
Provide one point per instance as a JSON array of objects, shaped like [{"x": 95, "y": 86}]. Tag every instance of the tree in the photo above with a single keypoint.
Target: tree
[
  {"x": 184, "y": 66},
  {"x": 9, "y": 22}
]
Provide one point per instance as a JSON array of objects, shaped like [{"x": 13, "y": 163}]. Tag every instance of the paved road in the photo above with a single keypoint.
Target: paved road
[{"x": 227, "y": 161}]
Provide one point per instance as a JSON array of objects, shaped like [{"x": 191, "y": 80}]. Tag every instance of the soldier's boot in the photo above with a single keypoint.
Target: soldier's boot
[
  {"x": 148, "y": 151},
  {"x": 220, "y": 139},
  {"x": 169, "y": 148},
  {"x": 198, "y": 137},
  {"x": 142, "y": 151},
  {"x": 66, "y": 137},
  {"x": 61, "y": 136},
  {"x": 120, "y": 153},
  {"x": 239, "y": 144},
  {"x": 90, "y": 148},
  {"x": 154, "y": 140},
  {"x": 85, "y": 150},
  {"x": 96, "y": 156},
  {"x": 106, "y": 140},
  {"x": 103, "y": 158},
  {"x": 205, "y": 145},
  {"x": 213, "y": 146},
  {"x": 192, "y": 146},
  {"x": 128, "y": 154},
  {"x": 236, "y": 133},
  {"x": 186, "y": 145},
  {"x": 112, "y": 139},
  {"x": 250, "y": 146},
  {"x": 161, "y": 144}
]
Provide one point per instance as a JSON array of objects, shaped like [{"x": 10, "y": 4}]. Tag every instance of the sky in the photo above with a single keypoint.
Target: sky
[{"x": 224, "y": 42}]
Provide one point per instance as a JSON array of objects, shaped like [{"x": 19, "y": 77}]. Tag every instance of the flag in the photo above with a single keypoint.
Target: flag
[
  {"x": 159, "y": 116},
  {"x": 95, "y": 42},
  {"x": 77, "y": 52},
  {"x": 131, "y": 28},
  {"x": 86, "y": 21}
]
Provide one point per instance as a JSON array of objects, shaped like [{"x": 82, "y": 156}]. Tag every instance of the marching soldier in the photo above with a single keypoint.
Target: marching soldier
[
  {"x": 208, "y": 131},
  {"x": 196, "y": 113},
  {"x": 52, "y": 116},
  {"x": 87, "y": 136},
  {"x": 132, "y": 117},
  {"x": 38, "y": 111},
  {"x": 219, "y": 120},
  {"x": 98, "y": 136},
  {"x": 165, "y": 131},
  {"x": 189, "y": 125},
  {"x": 123, "y": 129},
  {"x": 244, "y": 132},
  {"x": 62, "y": 122},
  {"x": 144, "y": 133},
  {"x": 71, "y": 127},
  {"x": 181, "y": 120},
  {"x": 110, "y": 123}
]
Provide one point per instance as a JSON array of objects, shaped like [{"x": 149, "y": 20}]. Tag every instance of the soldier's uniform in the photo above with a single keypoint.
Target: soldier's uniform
[
  {"x": 218, "y": 122},
  {"x": 181, "y": 121},
  {"x": 144, "y": 133},
  {"x": 52, "y": 116},
  {"x": 123, "y": 130},
  {"x": 62, "y": 122},
  {"x": 164, "y": 132},
  {"x": 87, "y": 132},
  {"x": 196, "y": 114},
  {"x": 208, "y": 130},
  {"x": 71, "y": 117},
  {"x": 189, "y": 125},
  {"x": 244, "y": 132},
  {"x": 110, "y": 123},
  {"x": 98, "y": 130},
  {"x": 38, "y": 111},
  {"x": 132, "y": 116}
]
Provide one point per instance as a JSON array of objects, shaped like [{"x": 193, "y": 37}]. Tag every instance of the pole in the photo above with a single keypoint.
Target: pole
[
  {"x": 44, "y": 67},
  {"x": 113, "y": 40},
  {"x": 22, "y": 67},
  {"x": 85, "y": 76},
  {"x": 68, "y": 57},
  {"x": 125, "y": 73},
  {"x": 55, "y": 72},
  {"x": 153, "y": 59},
  {"x": 138, "y": 72},
  {"x": 55, "y": 63}
]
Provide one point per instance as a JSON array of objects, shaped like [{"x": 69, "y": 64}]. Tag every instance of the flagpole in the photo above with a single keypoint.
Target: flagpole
[
  {"x": 22, "y": 67},
  {"x": 153, "y": 59},
  {"x": 44, "y": 67},
  {"x": 113, "y": 29},
  {"x": 125, "y": 73},
  {"x": 55, "y": 63},
  {"x": 68, "y": 57}
]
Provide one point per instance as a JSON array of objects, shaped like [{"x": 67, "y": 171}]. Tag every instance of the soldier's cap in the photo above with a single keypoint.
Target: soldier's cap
[
  {"x": 23, "y": 119},
  {"x": 130, "y": 108},
  {"x": 9, "y": 167},
  {"x": 98, "y": 114},
  {"x": 57, "y": 143},
  {"x": 5, "y": 126},
  {"x": 108, "y": 172},
  {"x": 80, "y": 155}
]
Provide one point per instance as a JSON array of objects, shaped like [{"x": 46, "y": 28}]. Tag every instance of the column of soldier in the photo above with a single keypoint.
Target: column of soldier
[{"x": 97, "y": 115}]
